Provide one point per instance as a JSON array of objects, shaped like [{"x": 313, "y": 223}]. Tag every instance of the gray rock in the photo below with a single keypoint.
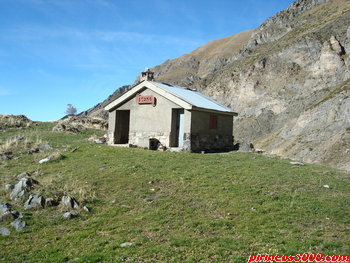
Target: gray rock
[
  {"x": 8, "y": 216},
  {"x": 22, "y": 175},
  {"x": 17, "y": 193},
  {"x": 18, "y": 224},
  {"x": 60, "y": 127},
  {"x": 34, "y": 201},
  {"x": 4, "y": 231},
  {"x": 45, "y": 147},
  {"x": 70, "y": 215},
  {"x": 70, "y": 202},
  {"x": 6, "y": 155},
  {"x": 100, "y": 141},
  {"x": 51, "y": 157},
  {"x": 21, "y": 187},
  {"x": 5, "y": 207},
  {"x": 297, "y": 163},
  {"x": 126, "y": 244},
  {"x": 45, "y": 160}
]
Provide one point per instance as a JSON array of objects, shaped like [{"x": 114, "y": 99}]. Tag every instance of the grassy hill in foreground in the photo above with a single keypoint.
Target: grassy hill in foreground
[{"x": 173, "y": 207}]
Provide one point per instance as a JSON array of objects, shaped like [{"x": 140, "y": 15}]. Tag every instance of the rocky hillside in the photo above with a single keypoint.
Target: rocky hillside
[
  {"x": 208, "y": 59},
  {"x": 288, "y": 79},
  {"x": 290, "y": 84}
]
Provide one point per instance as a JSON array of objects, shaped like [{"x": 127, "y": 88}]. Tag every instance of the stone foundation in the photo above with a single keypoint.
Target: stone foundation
[
  {"x": 141, "y": 139},
  {"x": 192, "y": 142},
  {"x": 211, "y": 143}
]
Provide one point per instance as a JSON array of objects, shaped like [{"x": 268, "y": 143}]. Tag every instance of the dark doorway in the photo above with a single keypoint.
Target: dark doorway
[
  {"x": 178, "y": 119},
  {"x": 122, "y": 126}
]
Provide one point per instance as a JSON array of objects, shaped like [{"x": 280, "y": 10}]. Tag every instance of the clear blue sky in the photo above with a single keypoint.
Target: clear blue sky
[{"x": 55, "y": 52}]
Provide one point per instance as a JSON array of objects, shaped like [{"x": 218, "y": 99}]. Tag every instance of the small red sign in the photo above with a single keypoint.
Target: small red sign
[{"x": 146, "y": 100}]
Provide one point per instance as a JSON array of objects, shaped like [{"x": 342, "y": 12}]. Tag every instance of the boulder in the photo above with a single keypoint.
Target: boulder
[
  {"x": 6, "y": 155},
  {"x": 18, "y": 224},
  {"x": 296, "y": 163},
  {"x": 21, "y": 187},
  {"x": 51, "y": 157},
  {"x": 126, "y": 244},
  {"x": 100, "y": 140},
  {"x": 22, "y": 175},
  {"x": 34, "y": 201},
  {"x": 70, "y": 202},
  {"x": 5, "y": 207},
  {"x": 8, "y": 216},
  {"x": 60, "y": 127},
  {"x": 44, "y": 147},
  {"x": 4, "y": 231},
  {"x": 70, "y": 215}
]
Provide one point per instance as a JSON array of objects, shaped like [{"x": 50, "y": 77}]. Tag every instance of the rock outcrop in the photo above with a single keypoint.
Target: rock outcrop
[
  {"x": 22, "y": 187},
  {"x": 291, "y": 87},
  {"x": 13, "y": 121},
  {"x": 74, "y": 124}
]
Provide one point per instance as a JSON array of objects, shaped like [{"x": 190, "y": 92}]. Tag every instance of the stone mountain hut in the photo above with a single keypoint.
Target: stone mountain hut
[{"x": 152, "y": 114}]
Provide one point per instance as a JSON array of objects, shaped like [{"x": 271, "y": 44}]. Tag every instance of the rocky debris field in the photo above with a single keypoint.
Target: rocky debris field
[{"x": 24, "y": 196}]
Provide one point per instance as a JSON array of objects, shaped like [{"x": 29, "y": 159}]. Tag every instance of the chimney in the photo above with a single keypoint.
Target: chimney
[{"x": 147, "y": 75}]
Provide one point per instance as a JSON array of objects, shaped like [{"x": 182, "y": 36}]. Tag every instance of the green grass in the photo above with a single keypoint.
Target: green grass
[{"x": 197, "y": 208}]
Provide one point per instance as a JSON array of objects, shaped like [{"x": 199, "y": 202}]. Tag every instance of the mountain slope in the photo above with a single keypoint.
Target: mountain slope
[
  {"x": 192, "y": 67},
  {"x": 291, "y": 88}
]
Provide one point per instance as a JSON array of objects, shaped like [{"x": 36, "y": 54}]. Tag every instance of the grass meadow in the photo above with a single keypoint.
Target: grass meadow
[{"x": 172, "y": 207}]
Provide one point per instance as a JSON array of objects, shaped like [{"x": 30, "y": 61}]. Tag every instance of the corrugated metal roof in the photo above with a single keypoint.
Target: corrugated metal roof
[{"x": 193, "y": 97}]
